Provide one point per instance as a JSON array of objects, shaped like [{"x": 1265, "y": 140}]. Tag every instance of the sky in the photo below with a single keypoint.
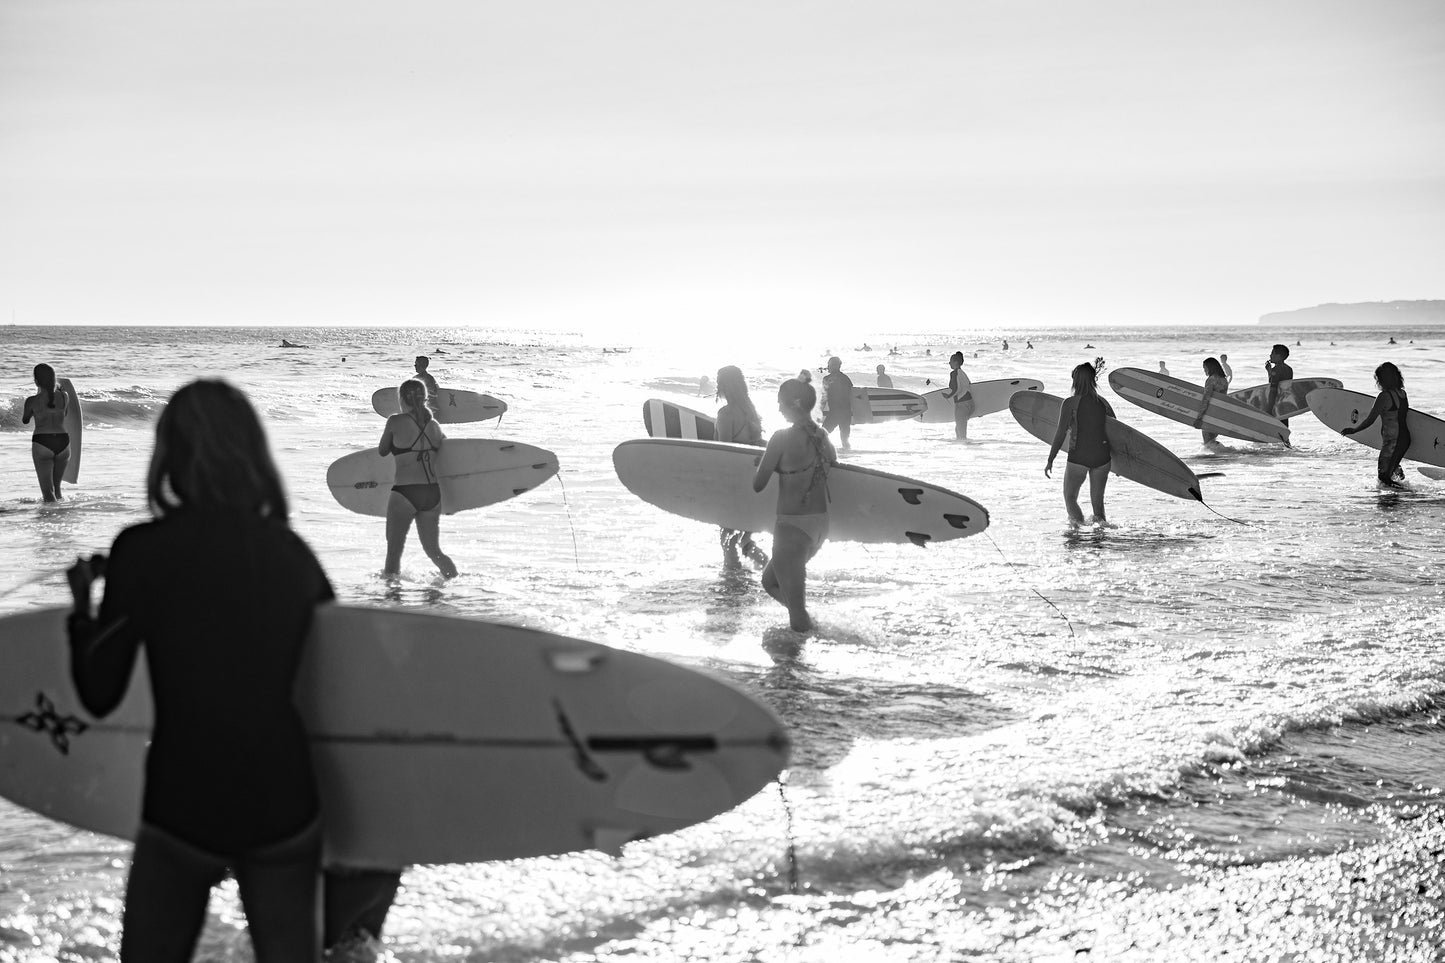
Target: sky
[{"x": 710, "y": 169}]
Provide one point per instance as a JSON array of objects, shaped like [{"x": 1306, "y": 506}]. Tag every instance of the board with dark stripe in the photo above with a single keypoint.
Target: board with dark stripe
[{"x": 663, "y": 419}]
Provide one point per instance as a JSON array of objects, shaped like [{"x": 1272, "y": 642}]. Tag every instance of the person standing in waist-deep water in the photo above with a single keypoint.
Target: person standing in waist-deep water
[
  {"x": 414, "y": 438},
  {"x": 424, "y": 376},
  {"x": 1392, "y": 407},
  {"x": 1214, "y": 384},
  {"x": 50, "y": 444},
  {"x": 960, "y": 393},
  {"x": 838, "y": 390},
  {"x": 884, "y": 381},
  {"x": 739, "y": 424},
  {"x": 1279, "y": 372},
  {"x": 220, "y": 592},
  {"x": 1083, "y": 413},
  {"x": 800, "y": 455},
  {"x": 1228, "y": 371}
]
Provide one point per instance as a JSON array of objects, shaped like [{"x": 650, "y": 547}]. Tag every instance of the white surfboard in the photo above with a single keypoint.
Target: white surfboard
[
  {"x": 473, "y": 472},
  {"x": 1179, "y": 401},
  {"x": 435, "y": 739},
  {"x": 1133, "y": 454},
  {"x": 1338, "y": 408},
  {"x": 1292, "y": 395},
  {"x": 663, "y": 419},
  {"x": 710, "y": 481},
  {"x": 872, "y": 405},
  {"x": 74, "y": 423},
  {"x": 453, "y": 405},
  {"x": 988, "y": 397}
]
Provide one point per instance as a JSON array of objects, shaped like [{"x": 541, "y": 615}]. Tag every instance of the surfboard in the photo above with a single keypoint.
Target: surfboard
[
  {"x": 1179, "y": 401},
  {"x": 435, "y": 739},
  {"x": 473, "y": 473},
  {"x": 73, "y": 425},
  {"x": 711, "y": 481},
  {"x": 663, "y": 419},
  {"x": 453, "y": 405},
  {"x": 1339, "y": 408},
  {"x": 1430, "y": 471},
  {"x": 872, "y": 405},
  {"x": 988, "y": 397},
  {"x": 1133, "y": 454},
  {"x": 1292, "y": 395}
]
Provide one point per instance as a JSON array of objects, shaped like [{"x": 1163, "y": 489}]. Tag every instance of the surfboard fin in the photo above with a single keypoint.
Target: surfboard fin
[
  {"x": 611, "y": 839},
  {"x": 918, "y": 538},
  {"x": 911, "y": 495},
  {"x": 957, "y": 521}
]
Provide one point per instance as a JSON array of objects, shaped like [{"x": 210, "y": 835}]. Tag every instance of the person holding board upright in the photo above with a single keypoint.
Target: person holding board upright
[
  {"x": 414, "y": 439},
  {"x": 1392, "y": 407},
  {"x": 50, "y": 444},
  {"x": 1083, "y": 413},
  {"x": 959, "y": 392}
]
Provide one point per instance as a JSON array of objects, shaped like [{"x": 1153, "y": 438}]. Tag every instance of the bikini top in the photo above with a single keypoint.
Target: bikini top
[
  {"x": 819, "y": 464},
  {"x": 423, "y": 455}
]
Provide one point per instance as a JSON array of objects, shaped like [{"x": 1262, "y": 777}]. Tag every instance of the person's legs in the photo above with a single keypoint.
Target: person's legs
[
  {"x": 57, "y": 471},
  {"x": 1392, "y": 453},
  {"x": 399, "y": 514},
  {"x": 845, "y": 428},
  {"x": 1098, "y": 478},
  {"x": 281, "y": 891},
  {"x": 792, "y": 547},
  {"x": 428, "y": 529},
  {"x": 166, "y": 895},
  {"x": 1073, "y": 481},
  {"x": 45, "y": 472}
]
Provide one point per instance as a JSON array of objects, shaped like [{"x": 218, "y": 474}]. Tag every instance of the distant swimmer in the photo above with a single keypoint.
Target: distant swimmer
[
  {"x": 414, "y": 439},
  {"x": 801, "y": 456},
  {"x": 1392, "y": 407},
  {"x": 50, "y": 443},
  {"x": 738, "y": 423},
  {"x": 884, "y": 381},
  {"x": 1083, "y": 413},
  {"x": 1392, "y": 340},
  {"x": 1163, "y": 370},
  {"x": 893, "y": 350},
  {"x": 1088, "y": 345},
  {"x": 420, "y": 364},
  {"x": 959, "y": 391},
  {"x": 838, "y": 392},
  {"x": 1028, "y": 346},
  {"x": 865, "y": 347},
  {"x": 439, "y": 351},
  {"x": 1214, "y": 384},
  {"x": 1005, "y": 345}
]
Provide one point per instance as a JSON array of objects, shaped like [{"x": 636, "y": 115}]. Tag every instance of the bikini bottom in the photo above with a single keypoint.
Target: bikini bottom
[
  {"x": 422, "y": 497},
  {"x": 813, "y": 526},
  {"x": 56, "y": 441}
]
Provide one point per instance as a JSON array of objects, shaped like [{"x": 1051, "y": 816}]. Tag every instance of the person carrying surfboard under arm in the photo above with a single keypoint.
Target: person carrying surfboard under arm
[
  {"x": 958, "y": 390},
  {"x": 1214, "y": 383},
  {"x": 838, "y": 389},
  {"x": 1083, "y": 413},
  {"x": 421, "y": 364},
  {"x": 738, "y": 423},
  {"x": 1392, "y": 407},
  {"x": 50, "y": 444},
  {"x": 1279, "y": 372},
  {"x": 800, "y": 455},
  {"x": 220, "y": 592},
  {"x": 414, "y": 438}
]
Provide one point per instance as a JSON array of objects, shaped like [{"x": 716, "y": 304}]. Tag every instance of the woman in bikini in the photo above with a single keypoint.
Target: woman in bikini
[
  {"x": 414, "y": 438},
  {"x": 1215, "y": 383},
  {"x": 1392, "y": 407},
  {"x": 800, "y": 455},
  {"x": 739, "y": 424},
  {"x": 1083, "y": 413},
  {"x": 50, "y": 445}
]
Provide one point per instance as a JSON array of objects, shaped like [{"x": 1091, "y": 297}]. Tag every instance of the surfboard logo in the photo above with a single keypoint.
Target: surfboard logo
[
  {"x": 45, "y": 719},
  {"x": 1159, "y": 393}
]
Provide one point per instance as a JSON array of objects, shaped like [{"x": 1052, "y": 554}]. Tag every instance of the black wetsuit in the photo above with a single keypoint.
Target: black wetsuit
[{"x": 1091, "y": 444}]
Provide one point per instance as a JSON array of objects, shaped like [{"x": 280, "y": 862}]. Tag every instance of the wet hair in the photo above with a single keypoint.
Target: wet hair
[
  {"x": 1213, "y": 368},
  {"x": 45, "y": 380},
  {"x": 734, "y": 389},
  {"x": 211, "y": 454},
  {"x": 956, "y": 356},
  {"x": 412, "y": 395},
  {"x": 1086, "y": 380},
  {"x": 1388, "y": 377},
  {"x": 422, "y": 360},
  {"x": 800, "y": 395},
  {"x": 1280, "y": 349},
  {"x": 805, "y": 376}
]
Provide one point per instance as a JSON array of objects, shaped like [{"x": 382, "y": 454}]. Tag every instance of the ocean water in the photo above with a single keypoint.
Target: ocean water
[{"x": 1173, "y": 739}]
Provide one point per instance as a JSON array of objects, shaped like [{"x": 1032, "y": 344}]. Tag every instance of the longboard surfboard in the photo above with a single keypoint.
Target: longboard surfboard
[
  {"x": 435, "y": 739},
  {"x": 1292, "y": 395},
  {"x": 472, "y": 472},
  {"x": 988, "y": 397},
  {"x": 1133, "y": 454},
  {"x": 74, "y": 423},
  {"x": 872, "y": 405},
  {"x": 453, "y": 405},
  {"x": 663, "y": 419},
  {"x": 1179, "y": 401},
  {"x": 1339, "y": 408},
  {"x": 710, "y": 481}
]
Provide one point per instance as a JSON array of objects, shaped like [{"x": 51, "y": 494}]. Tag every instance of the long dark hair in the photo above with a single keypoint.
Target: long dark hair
[
  {"x": 1213, "y": 368},
  {"x": 45, "y": 380},
  {"x": 211, "y": 453},
  {"x": 1086, "y": 381},
  {"x": 1388, "y": 377},
  {"x": 734, "y": 388}
]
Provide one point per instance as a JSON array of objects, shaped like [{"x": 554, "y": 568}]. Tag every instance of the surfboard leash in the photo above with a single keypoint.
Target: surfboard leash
[
  {"x": 576, "y": 552},
  {"x": 791, "y": 854},
  {"x": 1030, "y": 587}
]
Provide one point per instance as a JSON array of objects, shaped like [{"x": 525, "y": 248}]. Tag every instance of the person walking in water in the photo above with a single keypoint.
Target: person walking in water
[
  {"x": 838, "y": 392},
  {"x": 1279, "y": 372},
  {"x": 1083, "y": 413},
  {"x": 738, "y": 423},
  {"x": 1392, "y": 407},
  {"x": 50, "y": 444},
  {"x": 1214, "y": 384},
  {"x": 801, "y": 456},
  {"x": 959, "y": 393},
  {"x": 1228, "y": 371},
  {"x": 415, "y": 439},
  {"x": 1164, "y": 370},
  {"x": 424, "y": 376},
  {"x": 883, "y": 380}
]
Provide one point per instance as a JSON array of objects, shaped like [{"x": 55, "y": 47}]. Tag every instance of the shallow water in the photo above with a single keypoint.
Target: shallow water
[{"x": 994, "y": 737}]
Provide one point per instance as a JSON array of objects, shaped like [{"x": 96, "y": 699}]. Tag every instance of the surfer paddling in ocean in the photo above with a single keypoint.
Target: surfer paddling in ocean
[
  {"x": 800, "y": 455},
  {"x": 1084, "y": 412},
  {"x": 50, "y": 444}
]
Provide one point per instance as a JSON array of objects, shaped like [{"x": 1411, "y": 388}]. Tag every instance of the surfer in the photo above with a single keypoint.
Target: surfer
[
  {"x": 221, "y": 592},
  {"x": 959, "y": 391},
  {"x": 1392, "y": 407},
  {"x": 1278, "y": 372},
  {"x": 838, "y": 401},
  {"x": 1228, "y": 371},
  {"x": 884, "y": 381},
  {"x": 800, "y": 455},
  {"x": 1163, "y": 370},
  {"x": 1214, "y": 383},
  {"x": 50, "y": 444},
  {"x": 1083, "y": 413},
  {"x": 414, "y": 438},
  {"x": 424, "y": 376},
  {"x": 738, "y": 423}
]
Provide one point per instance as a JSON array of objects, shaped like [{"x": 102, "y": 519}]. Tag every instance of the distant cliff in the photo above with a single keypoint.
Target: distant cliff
[{"x": 1382, "y": 313}]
